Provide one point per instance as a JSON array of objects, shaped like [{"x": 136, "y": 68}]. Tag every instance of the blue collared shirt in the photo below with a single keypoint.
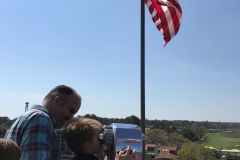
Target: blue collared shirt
[{"x": 34, "y": 133}]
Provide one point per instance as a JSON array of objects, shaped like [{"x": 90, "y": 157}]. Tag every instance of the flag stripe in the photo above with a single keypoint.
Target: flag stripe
[
  {"x": 163, "y": 18},
  {"x": 175, "y": 21},
  {"x": 167, "y": 16},
  {"x": 176, "y": 4},
  {"x": 169, "y": 22}
]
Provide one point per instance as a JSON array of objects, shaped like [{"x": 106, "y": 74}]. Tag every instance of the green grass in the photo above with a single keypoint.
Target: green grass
[{"x": 221, "y": 140}]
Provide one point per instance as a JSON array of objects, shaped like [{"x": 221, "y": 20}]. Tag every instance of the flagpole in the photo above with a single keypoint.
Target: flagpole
[{"x": 142, "y": 85}]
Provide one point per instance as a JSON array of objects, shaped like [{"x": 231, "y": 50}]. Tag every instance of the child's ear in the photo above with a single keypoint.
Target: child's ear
[{"x": 87, "y": 145}]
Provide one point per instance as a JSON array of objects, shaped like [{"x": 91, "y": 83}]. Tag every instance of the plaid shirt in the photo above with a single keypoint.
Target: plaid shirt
[{"x": 34, "y": 133}]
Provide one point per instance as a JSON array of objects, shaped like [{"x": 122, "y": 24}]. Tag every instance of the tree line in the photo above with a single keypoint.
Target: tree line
[
  {"x": 181, "y": 133},
  {"x": 193, "y": 130}
]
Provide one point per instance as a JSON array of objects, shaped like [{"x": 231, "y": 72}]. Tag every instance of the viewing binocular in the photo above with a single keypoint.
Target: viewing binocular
[{"x": 119, "y": 136}]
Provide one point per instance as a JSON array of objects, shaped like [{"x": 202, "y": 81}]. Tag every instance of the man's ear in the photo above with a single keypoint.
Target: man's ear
[{"x": 56, "y": 100}]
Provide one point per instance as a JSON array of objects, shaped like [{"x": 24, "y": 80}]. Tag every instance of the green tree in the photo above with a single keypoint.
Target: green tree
[
  {"x": 4, "y": 120},
  {"x": 132, "y": 120},
  {"x": 188, "y": 133},
  {"x": 178, "y": 140},
  {"x": 10, "y": 122},
  {"x": 193, "y": 152},
  {"x": 155, "y": 135},
  {"x": 149, "y": 158},
  {"x": 198, "y": 130}
]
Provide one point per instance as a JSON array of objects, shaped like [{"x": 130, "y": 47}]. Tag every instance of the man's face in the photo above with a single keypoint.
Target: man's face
[{"x": 64, "y": 112}]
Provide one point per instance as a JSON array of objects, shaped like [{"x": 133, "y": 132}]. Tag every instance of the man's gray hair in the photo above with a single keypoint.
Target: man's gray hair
[{"x": 62, "y": 91}]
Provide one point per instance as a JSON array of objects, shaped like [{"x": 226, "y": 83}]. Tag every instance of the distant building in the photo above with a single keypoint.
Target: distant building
[
  {"x": 214, "y": 130},
  {"x": 150, "y": 150},
  {"x": 167, "y": 152},
  {"x": 162, "y": 153},
  {"x": 150, "y": 147}
]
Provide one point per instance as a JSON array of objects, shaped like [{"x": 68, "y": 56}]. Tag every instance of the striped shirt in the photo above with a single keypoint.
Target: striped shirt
[{"x": 34, "y": 133}]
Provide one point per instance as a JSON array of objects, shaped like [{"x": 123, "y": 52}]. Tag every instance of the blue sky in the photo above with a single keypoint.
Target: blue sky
[{"x": 94, "y": 47}]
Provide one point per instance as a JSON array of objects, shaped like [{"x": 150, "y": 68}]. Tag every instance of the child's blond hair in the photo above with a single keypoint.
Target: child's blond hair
[
  {"x": 80, "y": 130},
  {"x": 9, "y": 150}
]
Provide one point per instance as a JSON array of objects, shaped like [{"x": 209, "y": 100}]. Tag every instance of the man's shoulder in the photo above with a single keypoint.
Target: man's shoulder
[
  {"x": 32, "y": 117},
  {"x": 35, "y": 112},
  {"x": 30, "y": 120}
]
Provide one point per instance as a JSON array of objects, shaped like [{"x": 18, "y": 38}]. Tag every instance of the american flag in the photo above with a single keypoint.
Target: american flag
[{"x": 167, "y": 16}]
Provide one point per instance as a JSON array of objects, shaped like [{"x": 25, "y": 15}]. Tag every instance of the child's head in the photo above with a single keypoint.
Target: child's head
[
  {"x": 82, "y": 135},
  {"x": 9, "y": 150}
]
